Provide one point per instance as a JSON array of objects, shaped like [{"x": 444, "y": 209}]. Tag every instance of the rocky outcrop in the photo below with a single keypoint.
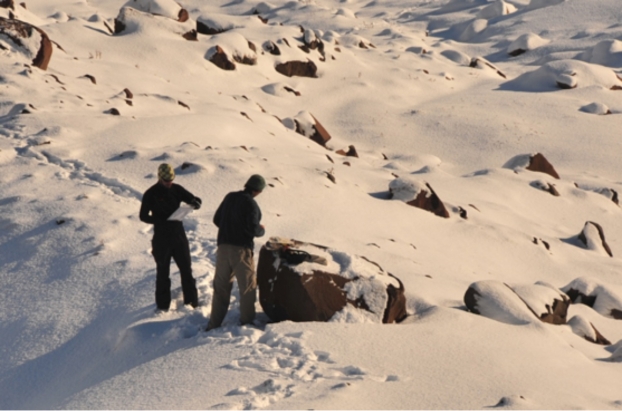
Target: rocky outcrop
[
  {"x": 417, "y": 194},
  {"x": 29, "y": 40},
  {"x": 593, "y": 237},
  {"x": 305, "y": 282}
]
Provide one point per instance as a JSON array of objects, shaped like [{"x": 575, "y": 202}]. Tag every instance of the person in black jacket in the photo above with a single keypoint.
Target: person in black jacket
[
  {"x": 238, "y": 220},
  {"x": 169, "y": 237}
]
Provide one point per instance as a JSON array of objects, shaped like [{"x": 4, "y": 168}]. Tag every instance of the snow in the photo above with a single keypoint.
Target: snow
[{"x": 395, "y": 79}]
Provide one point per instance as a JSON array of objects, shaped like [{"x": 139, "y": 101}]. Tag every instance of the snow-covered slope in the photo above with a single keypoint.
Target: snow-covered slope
[{"x": 426, "y": 91}]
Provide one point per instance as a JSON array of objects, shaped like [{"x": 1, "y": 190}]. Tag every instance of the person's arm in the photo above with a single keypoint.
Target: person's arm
[
  {"x": 218, "y": 215},
  {"x": 145, "y": 210},
  {"x": 254, "y": 222},
  {"x": 189, "y": 198}
]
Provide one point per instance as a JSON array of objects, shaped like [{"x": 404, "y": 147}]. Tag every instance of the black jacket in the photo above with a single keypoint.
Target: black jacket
[
  {"x": 159, "y": 203},
  {"x": 237, "y": 219}
]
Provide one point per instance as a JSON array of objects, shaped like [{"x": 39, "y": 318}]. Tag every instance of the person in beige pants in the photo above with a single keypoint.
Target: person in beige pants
[{"x": 238, "y": 220}]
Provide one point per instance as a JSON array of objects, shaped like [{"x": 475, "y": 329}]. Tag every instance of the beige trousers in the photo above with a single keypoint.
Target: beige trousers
[{"x": 233, "y": 261}]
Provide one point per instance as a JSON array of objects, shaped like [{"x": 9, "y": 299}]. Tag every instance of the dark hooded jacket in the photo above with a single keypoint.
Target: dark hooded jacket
[
  {"x": 159, "y": 202},
  {"x": 238, "y": 219}
]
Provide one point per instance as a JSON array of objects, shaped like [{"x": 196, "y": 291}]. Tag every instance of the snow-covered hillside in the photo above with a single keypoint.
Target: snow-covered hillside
[{"x": 458, "y": 96}]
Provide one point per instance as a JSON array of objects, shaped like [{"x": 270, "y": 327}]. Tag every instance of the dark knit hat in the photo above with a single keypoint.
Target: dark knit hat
[
  {"x": 256, "y": 183},
  {"x": 166, "y": 172}
]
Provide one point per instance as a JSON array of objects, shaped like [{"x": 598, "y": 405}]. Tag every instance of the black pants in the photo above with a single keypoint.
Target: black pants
[{"x": 164, "y": 248}]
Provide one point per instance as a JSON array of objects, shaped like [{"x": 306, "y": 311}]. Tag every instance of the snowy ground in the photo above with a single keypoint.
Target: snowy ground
[{"x": 77, "y": 322}]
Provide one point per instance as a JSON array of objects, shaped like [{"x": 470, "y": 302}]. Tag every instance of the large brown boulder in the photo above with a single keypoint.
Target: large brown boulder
[
  {"x": 417, "y": 194},
  {"x": 304, "y": 282},
  {"x": 22, "y": 34}
]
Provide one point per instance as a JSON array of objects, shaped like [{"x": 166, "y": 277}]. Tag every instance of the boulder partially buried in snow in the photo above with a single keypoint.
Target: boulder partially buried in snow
[
  {"x": 596, "y": 108},
  {"x": 538, "y": 4},
  {"x": 25, "y": 41},
  {"x": 230, "y": 48},
  {"x": 616, "y": 355},
  {"x": 532, "y": 162},
  {"x": 608, "y": 192},
  {"x": 131, "y": 20},
  {"x": 496, "y": 9},
  {"x": 524, "y": 43},
  {"x": 606, "y": 53},
  {"x": 164, "y": 8},
  {"x": 566, "y": 74},
  {"x": 417, "y": 194},
  {"x": 517, "y": 304},
  {"x": 299, "y": 281},
  {"x": 593, "y": 237},
  {"x": 583, "y": 328},
  {"x": 457, "y": 57},
  {"x": 483, "y": 64},
  {"x": 214, "y": 23},
  {"x": 600, "y": 297},
  {"x": 307, "y": 125}
]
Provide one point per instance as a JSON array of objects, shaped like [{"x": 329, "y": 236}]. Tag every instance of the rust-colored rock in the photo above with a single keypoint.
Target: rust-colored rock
[
  {"x": 271, "y": 48},
  {"x": 417, "y": 194},
  {"x": 297, "y": 68},
  {"x": 17, "y": 30},
  {"x": 183, "y": 16},
  {"x": 600, "y": 339},
  {"x": 316, "y": 295},
  {"x": 431, "y": 203},
  {"x": 190, "y": 35},
  {"x": 539, "y": 163},
  {"x": 557, "y": 312},
  {"x": 350, "y": 153},
  {"x": 221, "y": 60},
  {"x": 319, "y": 135}
]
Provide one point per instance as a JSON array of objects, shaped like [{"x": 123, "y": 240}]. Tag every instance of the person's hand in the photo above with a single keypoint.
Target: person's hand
[{"x": 196, "y": 203}]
